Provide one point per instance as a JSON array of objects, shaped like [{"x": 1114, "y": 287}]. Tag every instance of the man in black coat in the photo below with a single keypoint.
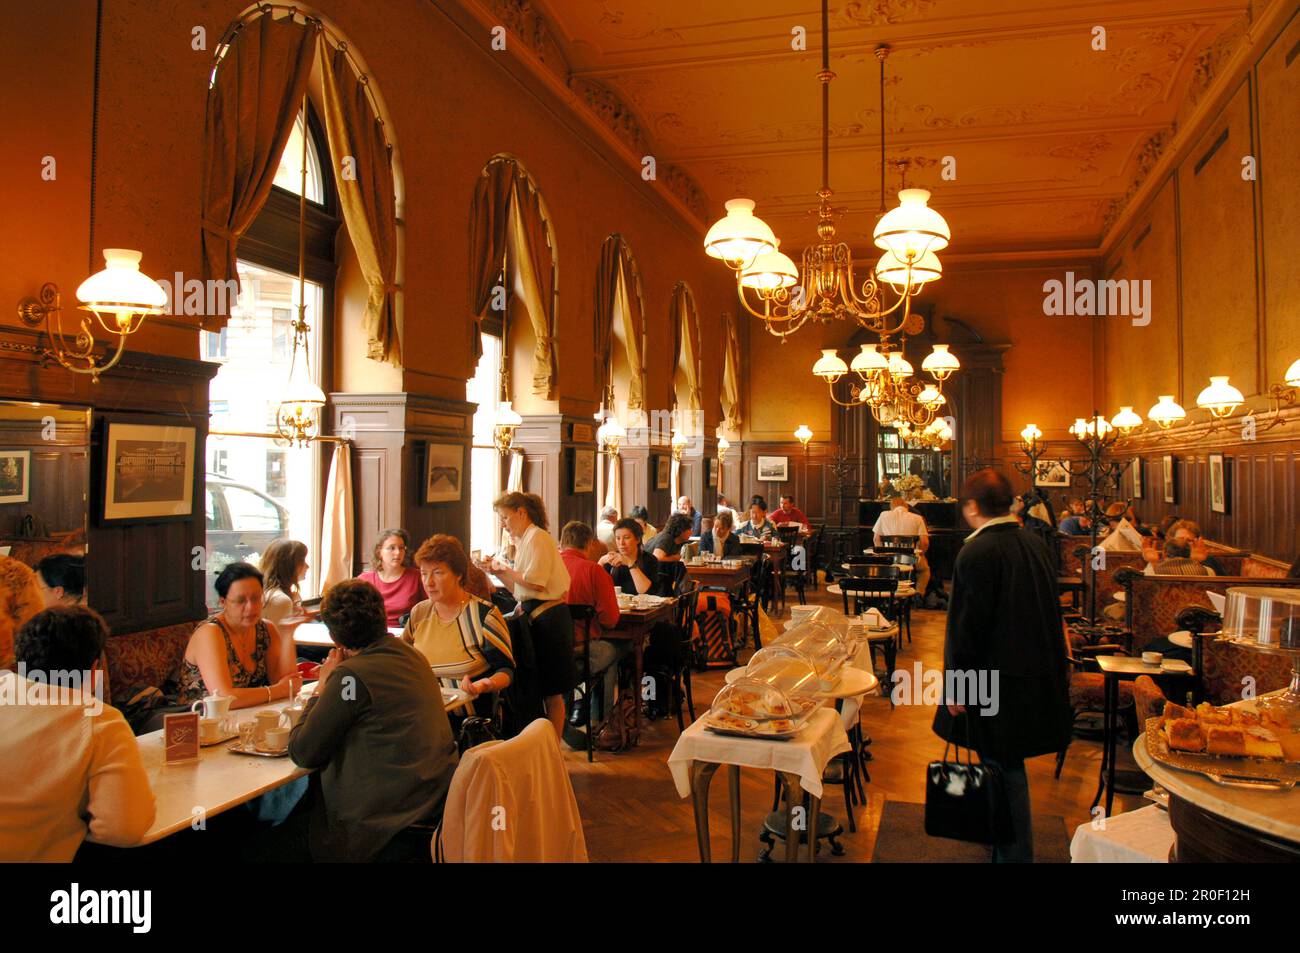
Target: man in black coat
[{"x": 1004, "y": 624}]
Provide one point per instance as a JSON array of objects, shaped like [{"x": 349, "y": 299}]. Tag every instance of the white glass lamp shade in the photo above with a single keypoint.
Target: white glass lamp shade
[
  {"x": 723, "y": 445},
  {"x": 506, "y": 416},
  {"x": 301, "y": 394},
  {"x": 925, "y": 269},
  {"x": 1031, "y": 433},
  {"x": 904, "y": 428},
  {"x": 803, "y": 434},
  {"x": 740, "y": 236},
  {"x": 610, "y": 432},
  {"x": 1126, "y": 420},
  {"x": 1293, "y": 375},
  {"x": 913, "y": 228},
  {"x": 830, "y": 367},
  {"x": 1166, "y": 412},
  {"x": 899, "y": 366},
  {"x": 770, "y": 271},
  {"x": 930, "y": 397},
  {"x": 1079, "y": 428},
  {"x": 869, "y": 360},
  {"x": 121, "y": 288},
  {"x": 1100, "y": 426},
  {"x": 680, "y": 440},
  {"x": 945, "y": 432},
  {"x": 940, "y": 363},
  {"x": 1220, "y": 398}
]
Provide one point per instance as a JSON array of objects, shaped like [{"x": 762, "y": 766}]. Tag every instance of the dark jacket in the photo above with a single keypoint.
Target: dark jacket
[
  {"x": 730, "y": 548},
  {"x": 1005, "y": 616},
  {"x": 380, "y": 738}
]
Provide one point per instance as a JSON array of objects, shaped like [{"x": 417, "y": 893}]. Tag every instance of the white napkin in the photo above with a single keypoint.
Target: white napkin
[
  {"x": 1218, "y": 600},
  {"x": 873, "y": 619}
]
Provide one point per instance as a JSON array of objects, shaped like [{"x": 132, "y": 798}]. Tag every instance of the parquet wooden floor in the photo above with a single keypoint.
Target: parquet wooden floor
[{"x": 631, "y": 811}]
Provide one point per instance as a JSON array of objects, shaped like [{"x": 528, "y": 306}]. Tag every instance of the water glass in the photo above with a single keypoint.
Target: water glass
[{"x": 247, "y": 734}]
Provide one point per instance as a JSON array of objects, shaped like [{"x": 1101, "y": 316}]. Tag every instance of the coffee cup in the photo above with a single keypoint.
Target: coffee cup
[
  {"x": 1152, "y": 658},
  {"x": 276, "y": 739},
  {"x": 266, "y": 721},
  {"x": 213, "y": 706},
  {"x": 209, "y": 730}
]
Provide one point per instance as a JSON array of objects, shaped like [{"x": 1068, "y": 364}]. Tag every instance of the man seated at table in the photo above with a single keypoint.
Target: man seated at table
[
  {"x": 687, "y": 509},
  {"x": 589, "y": 585},
  {"x": 1075, "y": 520},
  {"x": 1177, "y": 560},
  {"x": 899, "y": 520},
  {"x": 787, "y": 512},
  {"x": 384, "y": 752},
  {"x": 758, "y": 524},
  {"x": 667, "y": 546},
  {"x": 1188, "y": 533},
  {"x": 605, "y": 528},
  {"x": 72, "y": 766},
  {"x": 722, "y": 542}
]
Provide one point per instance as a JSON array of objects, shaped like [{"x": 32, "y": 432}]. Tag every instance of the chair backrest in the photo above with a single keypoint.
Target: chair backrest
[
  {"x": 880, "y": 590},
  {"x": 899, "y": 542},
  {"x": 878, "y": 571},
  {"x": 872, "y": 560},
  {"x": 672, "y": 576},
  {"x": 584, "y": 621},
  {"x": 751, "y": 549},
  {"x": 788, "y": 533}
]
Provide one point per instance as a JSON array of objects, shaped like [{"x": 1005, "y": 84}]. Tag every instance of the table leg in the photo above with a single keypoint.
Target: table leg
[
  {"x": 794, "y": 798},
  {"x": 1105, "y": 735},
  {"x": 701, "y": 776},
  {"x": 1113, "y": 708},
  {"x": 733, "y": 787},
  {"x": 814, "y": 813}
]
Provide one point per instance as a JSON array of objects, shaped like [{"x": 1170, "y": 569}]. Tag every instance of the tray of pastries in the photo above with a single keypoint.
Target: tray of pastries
[
  {"x": 755, "y": 709},
  {"x": 1231, "y": 744}
]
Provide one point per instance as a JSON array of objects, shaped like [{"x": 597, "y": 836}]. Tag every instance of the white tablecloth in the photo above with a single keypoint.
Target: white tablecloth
[
  {"x": 1138, "y": 837},
  {"x": 315, "y": 633},
  {"x": 806, "y": 754}
]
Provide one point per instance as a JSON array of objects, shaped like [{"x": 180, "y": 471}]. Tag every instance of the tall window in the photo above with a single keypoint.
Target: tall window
[
  {"x": 485, "y": 464},
  {"x": 258, "y": 490}
]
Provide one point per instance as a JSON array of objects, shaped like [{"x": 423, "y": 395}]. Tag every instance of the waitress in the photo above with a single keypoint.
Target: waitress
[{"x": 539, "y": 582}]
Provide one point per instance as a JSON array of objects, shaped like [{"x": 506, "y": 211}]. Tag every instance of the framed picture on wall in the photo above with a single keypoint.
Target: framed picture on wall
[
  {"x": 663, "y": 472},
  {"x": 1051, "y": 473},
  {"x": 1171, "y": 489},
  {"x": 149, "y": 470},
  {"x": 773, "y": 469},
  {"x": 584, "y": 471},
  {"x": 444, "y": 471},
  {"x": 1219, "y": 489},
  {"x": 15, "y": 476},
  {"x": 1135, "y": 485}
]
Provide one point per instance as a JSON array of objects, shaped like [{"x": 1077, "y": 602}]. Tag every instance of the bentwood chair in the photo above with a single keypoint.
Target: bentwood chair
[
  {"x": 898, "y": 544},
  {"x": 680, "y": 677}
]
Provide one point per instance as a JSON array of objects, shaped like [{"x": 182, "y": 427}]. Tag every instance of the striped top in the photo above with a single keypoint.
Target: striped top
[{"x": 476, "y": 643}]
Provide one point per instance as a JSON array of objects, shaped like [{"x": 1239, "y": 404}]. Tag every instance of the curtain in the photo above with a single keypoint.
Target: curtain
[
  {"x": 252, "y": 104},
  {"x": 488, "y": 229},
  {"x": 614, "y": 486},
  {"x": 368, "y": 201},
  {"x": 632, "y": 322},
  {"x": 337, "y": 527},
  {"x": 731, "y": 374},
  {"x": 607, "y": 279},
  {"x": 686, "y": 342},
  {"x": 535, "y": 266},
  {"x": 674, "y": 481}
]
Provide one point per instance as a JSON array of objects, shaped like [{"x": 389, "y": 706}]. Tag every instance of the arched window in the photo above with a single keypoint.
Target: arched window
[{"x": 620, "y": 333}]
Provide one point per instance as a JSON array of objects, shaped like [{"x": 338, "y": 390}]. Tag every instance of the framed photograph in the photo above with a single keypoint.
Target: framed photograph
[
  {"x": 584, "y": 471},
  {"x": 1171, "y": 488},
  {"x": 663, "y": 472},
  {"x": 15, "y": 476},
  {"x": 1051, "y": 473},
  {"x": 149, "y": 470},
  {"x": 774, "y": 469},
  {"x": 444, "y": 472},
  {"x": 1219, "y": 489},
  {"x": 711, "y": 472},
  {"x": 1135, "y": 471}
]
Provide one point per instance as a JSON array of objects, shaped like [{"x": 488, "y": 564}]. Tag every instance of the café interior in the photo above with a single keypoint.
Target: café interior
[{"x": 300, "y": 303}]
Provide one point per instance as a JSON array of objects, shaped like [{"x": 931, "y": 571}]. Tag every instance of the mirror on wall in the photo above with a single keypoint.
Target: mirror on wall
[
  {"x": 897, "y": 458},
  {"x": 44, "y": 479}
]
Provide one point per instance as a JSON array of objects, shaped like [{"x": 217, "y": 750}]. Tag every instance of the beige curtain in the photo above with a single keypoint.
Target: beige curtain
[
  {"x": 252, "y": 104},
  {"x": 532, "y": 294},
  {"x": 674, "y": 482},
  {"x": 686, "y": 342},
  {"x": 488, "y": 235},
  {"x": 632, "y": 321},
  {"x": 337, "y": 526},
  {"x": 614, "y": 486},
  {"x": 731, "y": 374},
  {"x": 368, "y": 201}
]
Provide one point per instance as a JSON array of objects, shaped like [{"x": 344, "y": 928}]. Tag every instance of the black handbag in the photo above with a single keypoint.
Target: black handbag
[{"x": 966, "y": 800}]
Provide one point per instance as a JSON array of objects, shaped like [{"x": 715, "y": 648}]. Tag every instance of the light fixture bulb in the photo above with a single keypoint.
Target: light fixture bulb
[
  {"x": 740, "y": 236},
  {"x": 1220, "y": 398}
]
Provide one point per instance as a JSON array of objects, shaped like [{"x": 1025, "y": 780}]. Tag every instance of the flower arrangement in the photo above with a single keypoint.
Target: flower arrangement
[{"x": 911, "y": 483}]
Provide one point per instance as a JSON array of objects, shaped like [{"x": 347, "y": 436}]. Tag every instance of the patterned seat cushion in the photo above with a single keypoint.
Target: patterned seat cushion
[
  {"x": 1147, "y": 697},
  {"x": 144, "y": 659},
  {"x": 1087, "y": 692}
]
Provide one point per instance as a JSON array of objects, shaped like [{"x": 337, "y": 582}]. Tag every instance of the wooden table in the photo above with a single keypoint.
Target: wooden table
[
  {"x": 635, "y": 625},
  {"x": 714, "y": 574},
  {"x": 1113, "y": 668}
]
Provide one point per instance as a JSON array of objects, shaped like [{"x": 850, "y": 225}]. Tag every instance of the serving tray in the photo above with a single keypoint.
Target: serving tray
[
  {"x": 238, "y": 748},
  {"x": 1223, "y": 769},
  {"x": 728, "y": 728}
]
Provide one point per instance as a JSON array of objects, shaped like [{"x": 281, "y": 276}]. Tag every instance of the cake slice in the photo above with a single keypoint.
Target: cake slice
[
  {"x": 1225, "y": 740},
  {"x": 1262, "y": 743},
  {"x": 1184, "y": 734},
  {"x": 1207, "y": 714}
]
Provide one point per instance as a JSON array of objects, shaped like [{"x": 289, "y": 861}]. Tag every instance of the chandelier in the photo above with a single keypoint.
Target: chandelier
[
  {"x": 887, "y": 384},
  {"x": 784, "y": 297}
]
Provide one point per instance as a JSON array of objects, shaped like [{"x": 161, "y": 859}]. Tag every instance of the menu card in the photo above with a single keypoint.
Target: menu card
[{"x": 181, "y": 737}]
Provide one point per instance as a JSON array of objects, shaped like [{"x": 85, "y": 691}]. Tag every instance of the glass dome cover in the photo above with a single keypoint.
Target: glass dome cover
[
  {"x": 786, "y": 668},
  {"x": 1263, "y": 617},
  {"x": 753, "y": 699},
  {"x": 825, "y": 648}
]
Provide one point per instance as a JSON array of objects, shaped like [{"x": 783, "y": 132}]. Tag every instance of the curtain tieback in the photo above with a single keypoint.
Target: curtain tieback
[{"x": 220, "y": 229}]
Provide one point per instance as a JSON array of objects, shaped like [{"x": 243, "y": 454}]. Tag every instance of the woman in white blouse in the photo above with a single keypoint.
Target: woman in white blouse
[{"x": 539, "y": 582}]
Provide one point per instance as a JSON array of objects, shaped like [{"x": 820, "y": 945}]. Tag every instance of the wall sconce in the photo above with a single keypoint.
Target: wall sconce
[
  {"x": 1166, "y": 412},
  {"x": 803, "y": 435},
  {"x": 120, "y": 296},
  {"x": 1126, "y": 421},
  {"x": 503, "y": 427},
  {"x": 723, "y": 446},
  {"x": 1220, "y": 398},
  {"x": 679, "y": 444},
  {"x": 609, "y": 435}
]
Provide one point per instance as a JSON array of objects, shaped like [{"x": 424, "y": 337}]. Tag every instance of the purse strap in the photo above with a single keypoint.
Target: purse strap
[{"x": 964, "y": 719}]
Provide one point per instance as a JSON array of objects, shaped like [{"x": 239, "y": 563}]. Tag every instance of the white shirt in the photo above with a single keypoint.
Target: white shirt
[
  {"x": 900, "y": 521},
  {"x": 537, "y": 561},
  {"x": 70, "y": 768},
  {"x": 605, "y": 533}
]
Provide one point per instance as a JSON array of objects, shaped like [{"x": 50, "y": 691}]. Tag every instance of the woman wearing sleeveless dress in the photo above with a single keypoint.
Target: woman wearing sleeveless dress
[{"x": 237, "y": 653}]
